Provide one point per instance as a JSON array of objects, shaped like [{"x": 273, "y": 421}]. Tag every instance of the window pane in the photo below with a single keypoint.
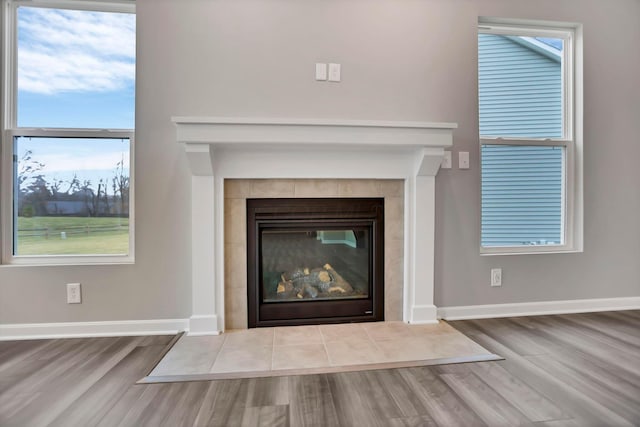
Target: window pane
[
  {"x": 520, "y": 86},
  {"x": 71, "y": 196},
  {"x": 522, "y": 195},
  {"x": 76, "y": 69}
]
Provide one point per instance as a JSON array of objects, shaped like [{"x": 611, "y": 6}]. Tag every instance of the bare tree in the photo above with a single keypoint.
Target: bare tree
[
  {"x": 105, "y": 196},
  {"x": 28, "y": 167},
  {"x": 37, "y": 194},
  {"x": 90, "y": 199},
  {"x": 74, "y": 185},
  {"x": 54, "y": 188},
  {"x": 120, "y": 185},
  {"x": 32, "y": 187}
]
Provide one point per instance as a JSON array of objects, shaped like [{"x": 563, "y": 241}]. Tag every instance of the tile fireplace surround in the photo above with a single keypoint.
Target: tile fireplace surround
[{"x": 232, "y": 159}]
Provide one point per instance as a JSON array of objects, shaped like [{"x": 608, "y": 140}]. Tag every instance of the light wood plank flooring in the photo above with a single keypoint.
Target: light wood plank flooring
[{"x": 569, "y": 370}]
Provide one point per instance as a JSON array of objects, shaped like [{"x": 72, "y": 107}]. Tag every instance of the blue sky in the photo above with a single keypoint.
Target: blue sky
[{"x": 76, "y": 69}]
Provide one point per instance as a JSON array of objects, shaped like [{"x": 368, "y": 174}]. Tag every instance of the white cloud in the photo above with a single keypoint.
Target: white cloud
[{"x": 75, "y": 51}]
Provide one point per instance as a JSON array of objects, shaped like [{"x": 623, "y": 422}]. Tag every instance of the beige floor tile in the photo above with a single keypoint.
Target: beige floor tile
[
  {"x": 236, "y": 308},
  {"x": 190, "y": 355},
  {"x": 316, "y": 188},
  {"x": 393, "y": 228},
  {"x": 235, "y": 265},
  {"x": 237, "y": 188},
  {"x": 243, "y": 359},
  {"x": 391, "y": 187},
  {"x": 431, "y": 346},
  {"x": 404, "y": 349},
  {"x": 358, "y": 188},
  {"x": 342, "y": 332},
  {"x": 296, "y": 335},
  {"x": 300, "y": 347},
  {"x": 272, "y": 188},
  {"x": 432, "y": 329},
  {"x": 453, "y": 345},
  {"x": 235, "y": 221},
  {"x": 387, "y": 330},
  {"x": 353, "y": 352},
  {"x": 249, "y": 338},
  {"x": 299, "y": 356}
]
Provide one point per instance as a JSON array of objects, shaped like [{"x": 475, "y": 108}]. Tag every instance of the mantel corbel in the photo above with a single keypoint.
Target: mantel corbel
[{"x": 200, "y": 158}]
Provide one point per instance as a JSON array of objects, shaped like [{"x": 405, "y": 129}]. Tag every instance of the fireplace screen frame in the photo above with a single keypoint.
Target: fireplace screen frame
[{"x": 305, "y": 214}]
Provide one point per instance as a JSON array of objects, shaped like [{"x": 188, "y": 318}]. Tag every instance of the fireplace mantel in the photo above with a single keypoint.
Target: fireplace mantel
[{"x": 236, "y": 148}]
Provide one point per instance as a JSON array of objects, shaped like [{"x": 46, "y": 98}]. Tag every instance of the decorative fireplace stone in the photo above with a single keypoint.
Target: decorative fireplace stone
[{"x": 219, "y": 149}]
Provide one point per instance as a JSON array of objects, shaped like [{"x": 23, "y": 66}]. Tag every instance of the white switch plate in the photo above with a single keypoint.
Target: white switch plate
[
  {"x": 496, "y": 277},
  {"x": 463, "y": 160},
  {"x": 334, "y": 72},
  {"x": 74, "y": 295},
  {"x": 321, "y": 71},
  {"x": 446, "y": 160}
]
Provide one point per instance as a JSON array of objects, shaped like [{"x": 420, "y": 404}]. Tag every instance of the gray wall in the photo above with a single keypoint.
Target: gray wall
[{"x": 401, "y": 60}]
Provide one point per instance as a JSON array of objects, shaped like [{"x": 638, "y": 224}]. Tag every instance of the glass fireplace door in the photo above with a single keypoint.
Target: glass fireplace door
[
  {"x": 313, "y": 264},
  {"x": 313, "y": 261}
]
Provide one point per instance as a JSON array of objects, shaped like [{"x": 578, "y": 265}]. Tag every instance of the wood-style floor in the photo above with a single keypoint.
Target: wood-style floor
[{"x": 570, "y": 370}]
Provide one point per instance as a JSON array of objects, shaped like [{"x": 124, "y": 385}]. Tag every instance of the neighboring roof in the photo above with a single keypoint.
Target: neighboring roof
[
  {"x": 555, "y": 43},
  {"x": 551, "y": 48}
]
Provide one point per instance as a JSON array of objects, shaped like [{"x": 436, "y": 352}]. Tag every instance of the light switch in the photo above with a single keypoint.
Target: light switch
[
  {"x": 446, "y": 160},
  {"x": 463, "y": 160},
  {"x": 334, "y": 72},
  {"x": 321, "y": 71}
]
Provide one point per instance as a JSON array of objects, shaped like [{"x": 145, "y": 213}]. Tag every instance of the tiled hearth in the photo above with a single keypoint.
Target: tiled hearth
[
  {"x": 312, "y": 349},
  {"x": 236, "y": 192},
  {"x": 317, "y": 158}
]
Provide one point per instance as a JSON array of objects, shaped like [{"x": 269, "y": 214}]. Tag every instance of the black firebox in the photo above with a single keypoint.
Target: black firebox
[{"x": 312, "y": 261}]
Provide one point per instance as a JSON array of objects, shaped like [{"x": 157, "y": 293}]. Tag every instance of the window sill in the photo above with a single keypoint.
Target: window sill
[
  {"x": 533, "y": 250},
  {"x": 68, "y": 261}
]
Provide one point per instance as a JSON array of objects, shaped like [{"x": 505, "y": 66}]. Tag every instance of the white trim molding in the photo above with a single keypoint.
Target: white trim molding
[
  {"x": 571, "y": 140},
  {"x": 538, "y": 308},
  {"x": 203, "y": 325},
  {"x": 31, "y": 331},
  {"x": 219, "y": 148}
]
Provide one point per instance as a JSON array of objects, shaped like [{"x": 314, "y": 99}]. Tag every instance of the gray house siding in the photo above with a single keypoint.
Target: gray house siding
[{"x": 520, "y": 95}]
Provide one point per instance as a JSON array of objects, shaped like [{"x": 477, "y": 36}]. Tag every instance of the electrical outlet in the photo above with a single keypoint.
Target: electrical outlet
[
  {"x": 74, "y": 295},
  {"x": 496, "y": 277},
  {"x": 463, "y": 160},
  {"x": 446, "y": 160}
]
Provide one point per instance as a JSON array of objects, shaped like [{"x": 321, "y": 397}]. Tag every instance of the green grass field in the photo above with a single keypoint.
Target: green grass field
[{"x": 82, "y": 236}]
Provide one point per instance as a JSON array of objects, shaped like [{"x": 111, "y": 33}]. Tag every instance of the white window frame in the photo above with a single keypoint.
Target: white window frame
[
  {"x": 572, "y": 139},
  {"x": 10, "y": 130}
]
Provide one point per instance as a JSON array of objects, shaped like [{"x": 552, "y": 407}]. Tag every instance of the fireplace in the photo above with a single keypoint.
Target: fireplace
[
  {"x": 219, "y": 149},
  {"x": 313, "y": 261}
]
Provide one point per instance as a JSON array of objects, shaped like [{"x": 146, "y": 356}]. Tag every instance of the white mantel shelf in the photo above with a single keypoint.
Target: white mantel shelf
[
  {"x": 220, "y": 148},
  {"x": 227, "y": 131}
]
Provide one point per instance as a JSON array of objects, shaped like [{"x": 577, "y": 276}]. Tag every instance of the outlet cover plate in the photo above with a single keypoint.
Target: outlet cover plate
[
  {"x": 496, "y": 277},
  {"x": 446, "y": 160},
  {"x": 74, "y": 295}
]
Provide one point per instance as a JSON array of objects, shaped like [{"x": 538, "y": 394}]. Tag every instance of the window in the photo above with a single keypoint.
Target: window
[
  {"x": 67, "y": 141},
  {"x": 529, "y": 116}
]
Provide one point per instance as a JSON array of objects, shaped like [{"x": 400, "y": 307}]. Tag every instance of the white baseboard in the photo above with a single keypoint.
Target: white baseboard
[
  {"x": 204, "y": 324},
  {"x": 538, "y": 308},
  {"x": 423, "y": 314},
  {"x": 31, "y": 331}
]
